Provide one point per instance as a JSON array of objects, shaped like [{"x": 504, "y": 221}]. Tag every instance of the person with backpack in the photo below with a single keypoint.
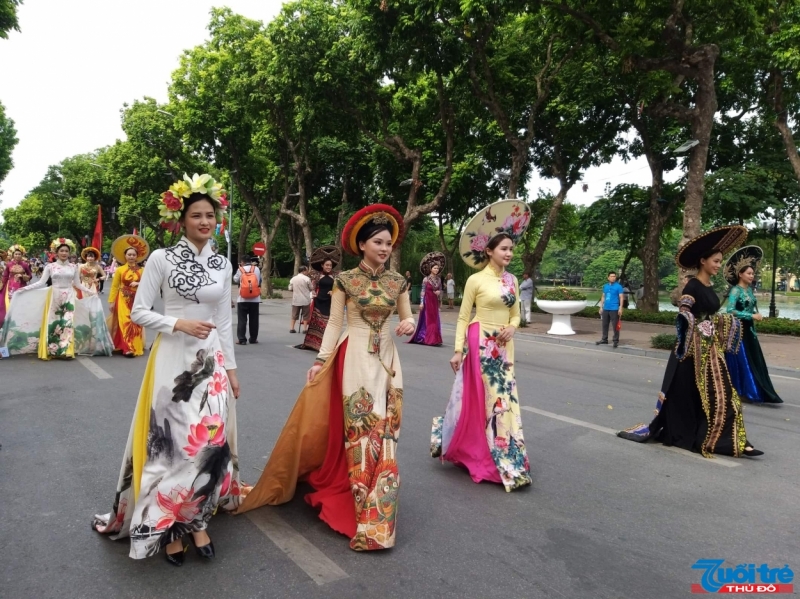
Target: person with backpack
[{"x": 249, "y": 279}]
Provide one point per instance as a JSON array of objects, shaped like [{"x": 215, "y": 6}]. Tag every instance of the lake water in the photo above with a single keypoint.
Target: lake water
[{"x": 788, "y": 307}]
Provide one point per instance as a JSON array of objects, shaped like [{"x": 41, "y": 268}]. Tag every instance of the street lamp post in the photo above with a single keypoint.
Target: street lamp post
[{"x": 774, "y": 229}]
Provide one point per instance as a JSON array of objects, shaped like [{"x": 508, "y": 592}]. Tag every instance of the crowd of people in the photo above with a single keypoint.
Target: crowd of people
[{"x": 180, "y": 462}]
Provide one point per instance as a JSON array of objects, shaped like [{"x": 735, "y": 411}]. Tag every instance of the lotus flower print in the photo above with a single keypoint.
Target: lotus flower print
[
  {"x": 220, "y": 358},
  {"x": 210, "y": 432},
  {"x": 178, "y": 507},
  {"x": 218, "y": 384}
]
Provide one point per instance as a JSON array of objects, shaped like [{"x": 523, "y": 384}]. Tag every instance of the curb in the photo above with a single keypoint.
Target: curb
[{"x": 636, "y": 351}]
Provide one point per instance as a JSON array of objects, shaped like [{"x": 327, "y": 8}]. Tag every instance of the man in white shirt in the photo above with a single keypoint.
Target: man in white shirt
[
  {"x": 247, "y": 308},
  {"x": 451, "y": 290},
  {"x": 301, "y": 289},
  {"x": 526, "y": 296}
]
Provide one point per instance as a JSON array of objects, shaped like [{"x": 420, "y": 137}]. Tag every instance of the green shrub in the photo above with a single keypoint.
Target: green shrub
[
  {"x": 560, "y": 294},
  {"x": 280, "y": 283},
  {"x": 664, "y": 341},
  {"x": 779, "y": 326}
]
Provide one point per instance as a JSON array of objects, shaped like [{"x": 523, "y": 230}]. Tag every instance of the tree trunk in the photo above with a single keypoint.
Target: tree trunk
[
  {"x": 295, "y": 244},
  {"x": 244, "y": 232},
  {"x": 340, "y": 218},
  {"x": 531, "y": 260}
]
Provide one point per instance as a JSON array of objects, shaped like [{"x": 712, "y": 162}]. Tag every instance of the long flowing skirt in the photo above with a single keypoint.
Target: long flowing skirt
[
  {"x": 699, "y": 411},
  {"x": 127, "y": 335},
  {"x": 748, "y": 369},
  {"x": 316, "y": 329},
  {"x": 482, "y": 426},
  {"x": 6, "y": 293},
  {"x": 53, "y": 323},
  {"x": 429, "y": 325},
  {"x": 180, "y": 462},
  {"x": 341, "y": 438}
]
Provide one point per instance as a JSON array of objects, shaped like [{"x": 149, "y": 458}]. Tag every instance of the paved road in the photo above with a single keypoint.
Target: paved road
[{"x": 605, "y": 518}]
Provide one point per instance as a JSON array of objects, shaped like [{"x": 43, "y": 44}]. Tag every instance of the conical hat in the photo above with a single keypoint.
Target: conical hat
[{"x": 511, "y": 217}]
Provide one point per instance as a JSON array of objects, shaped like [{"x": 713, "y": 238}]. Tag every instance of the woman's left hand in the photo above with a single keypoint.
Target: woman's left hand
[
  {"x": 135, "y": 284},
  {"x": 405, "y": 328},
  {"x": 506, "y": 334},
  {"x": 233, "y": 378}
]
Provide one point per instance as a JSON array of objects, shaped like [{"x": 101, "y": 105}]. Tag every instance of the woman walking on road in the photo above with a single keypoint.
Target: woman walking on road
[
  {"x": 16, "y": 275},
  {"x": 51, "y": 321},
  {"x": 180, "y": 462},
  {"x": 323, "y": 261},
  {"x": 698, "y": 408},
  {"x": 748, "y": 368},
  {"x": 482, "y": 426},
  {"x": 128, "y": 336},
  {"x": 91, "y": 272},
  {"x": 342, "y": 433},
  {"x": 429, "y": 324}
]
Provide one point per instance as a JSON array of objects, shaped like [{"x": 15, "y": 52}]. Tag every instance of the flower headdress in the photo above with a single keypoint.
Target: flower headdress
[
  {"x": 59, "y": 241},
  {"x": 16, "y": 247},
  {"x": 172, "y": 200}
]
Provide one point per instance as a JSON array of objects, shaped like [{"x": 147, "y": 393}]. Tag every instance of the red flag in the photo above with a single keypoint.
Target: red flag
[{"x": 97, "y": 238}]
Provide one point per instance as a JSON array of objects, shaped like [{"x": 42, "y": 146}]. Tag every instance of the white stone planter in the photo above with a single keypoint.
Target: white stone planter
[{"x": 561, "y": 310}]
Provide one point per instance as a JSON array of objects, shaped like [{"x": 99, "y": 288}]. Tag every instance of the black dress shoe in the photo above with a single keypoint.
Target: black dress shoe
[
  {"x": 176, "y": 559},
  {"x": 601, "y": 342},
  {"x": 752, "y": 452},
  {"x": 253, "y": 341},
  {"x": 241, "y": 342},
  {"x": 206, "y": 551},
  {"x": 616, "y": 344}
]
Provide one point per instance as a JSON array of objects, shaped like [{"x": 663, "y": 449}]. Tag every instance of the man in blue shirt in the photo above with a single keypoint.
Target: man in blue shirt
[{"x": 611, "y": 307}]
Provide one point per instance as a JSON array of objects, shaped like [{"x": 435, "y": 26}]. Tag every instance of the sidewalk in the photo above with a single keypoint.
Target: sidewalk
[{"x": 782, "y": 352}]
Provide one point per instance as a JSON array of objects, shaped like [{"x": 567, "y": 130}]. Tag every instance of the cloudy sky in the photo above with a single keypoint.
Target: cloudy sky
[{"x": 64, "y": 78}]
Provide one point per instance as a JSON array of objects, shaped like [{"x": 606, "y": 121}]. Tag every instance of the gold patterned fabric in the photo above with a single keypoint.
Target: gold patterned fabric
[{"x": 359, "y": 395}]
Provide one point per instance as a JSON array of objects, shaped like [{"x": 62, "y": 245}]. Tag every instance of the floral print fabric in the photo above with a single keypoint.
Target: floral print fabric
[
  {"x": 180, "y": 462},
  {"x": 53, "y": 322},
  {"x": 485, "y": 387}
]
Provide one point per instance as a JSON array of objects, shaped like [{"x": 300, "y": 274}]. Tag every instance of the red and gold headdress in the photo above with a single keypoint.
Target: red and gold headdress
[
  {"x": 376, "y": 213},
  {"x": 89, "y": 249},
  {"x": 124, "y": 243}
]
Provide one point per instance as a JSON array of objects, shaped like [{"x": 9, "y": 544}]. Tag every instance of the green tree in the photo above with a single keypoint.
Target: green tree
[
  {"x": 8, "y": 16},
  {"x": 8, "y": 140}
]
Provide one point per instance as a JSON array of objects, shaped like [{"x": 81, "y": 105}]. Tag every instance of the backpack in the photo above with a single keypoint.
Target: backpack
[{"x": 248, "y": 284}]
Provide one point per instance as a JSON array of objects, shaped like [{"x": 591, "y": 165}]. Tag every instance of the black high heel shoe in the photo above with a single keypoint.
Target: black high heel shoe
[
  {"x": 176, "y": 559},
  {"x": 752, "y": 452},
  {"x": 206, "y": 551}
]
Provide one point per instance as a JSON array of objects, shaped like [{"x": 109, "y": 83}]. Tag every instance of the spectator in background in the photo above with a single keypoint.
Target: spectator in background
[
  {"x": 639, "y": 294},
  {"x": 301, "y": 288},
  {"x": 451, "y": 290},
  {"x": 611, "y": 307},
  {"x": 408, "y": 281},
  {"x": 248, "y": 301},
  {"x": 626, "y": 292},
  {"x": 526, "y": 296}
]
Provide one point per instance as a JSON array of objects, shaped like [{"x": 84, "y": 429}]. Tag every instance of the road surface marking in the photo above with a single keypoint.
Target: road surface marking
[
  {"x": 310, "y": 559},
  {"x": 94, "y": 368},
  {"x": 719, "y": 460}
]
